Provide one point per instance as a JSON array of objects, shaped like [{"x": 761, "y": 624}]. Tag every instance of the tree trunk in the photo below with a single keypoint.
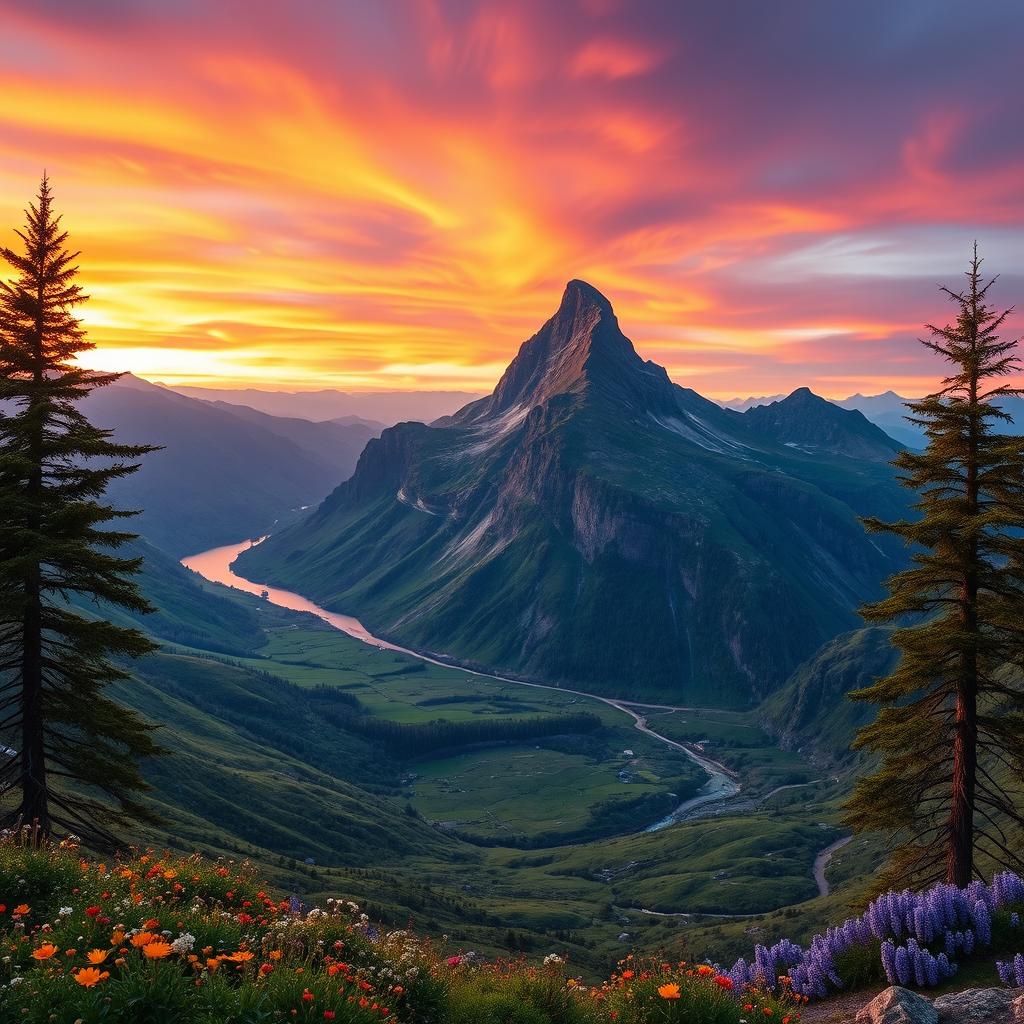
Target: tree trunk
[{"x": 34, "y": 804}]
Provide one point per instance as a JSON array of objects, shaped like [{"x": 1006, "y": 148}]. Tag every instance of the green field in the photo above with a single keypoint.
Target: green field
[{"x": 534, "y": 845}]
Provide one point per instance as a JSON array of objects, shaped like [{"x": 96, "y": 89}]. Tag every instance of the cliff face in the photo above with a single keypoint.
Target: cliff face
[{"x": 592, "y": 523}]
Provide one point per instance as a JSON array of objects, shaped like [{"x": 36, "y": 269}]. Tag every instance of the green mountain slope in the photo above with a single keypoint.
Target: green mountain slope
[
  {"x": 223, "y": 473},
  {"x": 592, "y": 523}
]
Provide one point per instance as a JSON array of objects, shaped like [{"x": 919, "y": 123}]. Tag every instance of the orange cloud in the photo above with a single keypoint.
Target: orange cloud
[{"x": 320, "y": 195}]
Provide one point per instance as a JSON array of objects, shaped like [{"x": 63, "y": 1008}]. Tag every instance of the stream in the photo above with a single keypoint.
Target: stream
[{"x": 722, "y": 783}]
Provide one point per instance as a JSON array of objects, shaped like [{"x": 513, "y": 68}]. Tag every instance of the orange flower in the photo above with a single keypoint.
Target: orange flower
[
  {"x": 157, "y": 949},
  {"x": 213, "y": 963},
  {"x": 140, "y": 939},
  {"x": 240, "y": 957},
  {"x": 45, "y": 951},
  {"x": 21, "y": 908},
  {"x": 170, "y": 873},
  {"x": 669, "y": 991},
  {"x": 276, "y": 954},
  {"x": 704, "y": 970},
  {"x": 89, "y": 976},
  {"x": 97, "y": 956},
  {"x": 627, "y": 974},
  {"x": 117, "y": 938}
]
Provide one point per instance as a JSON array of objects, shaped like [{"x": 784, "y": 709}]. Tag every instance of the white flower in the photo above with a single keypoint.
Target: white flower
[
  {"x": 64, "y": 911},
  {"x": 553, "y": 959},
  {"x": 16, "y": 981},
  {"x": 183, "y": 943}
]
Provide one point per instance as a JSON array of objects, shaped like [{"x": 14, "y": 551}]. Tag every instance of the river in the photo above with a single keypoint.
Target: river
[{"x": 722, "y": 784}]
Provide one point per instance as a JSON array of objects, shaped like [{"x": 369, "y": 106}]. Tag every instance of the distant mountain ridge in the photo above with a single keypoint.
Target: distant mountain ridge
[
  {"x": 591, "y": 522},
  {"x": 223, "y": 473},
  {"x": 370, "y": 407}
]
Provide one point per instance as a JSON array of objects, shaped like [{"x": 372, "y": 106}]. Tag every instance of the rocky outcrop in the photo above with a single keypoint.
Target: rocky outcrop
[{"x": 972, "y": 1006}]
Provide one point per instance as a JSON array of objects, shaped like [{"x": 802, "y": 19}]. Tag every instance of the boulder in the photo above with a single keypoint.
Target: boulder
[
  {"x": 899, "y": 1006},
  {"x": 1017, "y": 1012},
  {"x": 983, "y": 1005}
]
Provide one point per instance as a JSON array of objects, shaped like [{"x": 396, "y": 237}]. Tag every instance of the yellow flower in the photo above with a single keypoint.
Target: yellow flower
[
  {"x": 89, "y": 976},
  {"x": 97, "y": 956},
  {"x": 45, "y": 951},
  {"x": 157, "y": 949},
  {"x": 669, "y": 991}
]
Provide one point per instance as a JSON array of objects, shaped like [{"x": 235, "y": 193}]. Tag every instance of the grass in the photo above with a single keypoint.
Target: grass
[{"x": 192, "y": 941}]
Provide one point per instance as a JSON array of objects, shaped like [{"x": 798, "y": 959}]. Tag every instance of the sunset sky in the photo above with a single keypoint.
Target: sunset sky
[{"x": 387, "y": 194}]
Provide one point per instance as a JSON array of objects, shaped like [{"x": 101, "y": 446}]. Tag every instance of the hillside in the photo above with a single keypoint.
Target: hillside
[
  {"x": 730, "y": 542},
  {"x": 222, "y": 474}
]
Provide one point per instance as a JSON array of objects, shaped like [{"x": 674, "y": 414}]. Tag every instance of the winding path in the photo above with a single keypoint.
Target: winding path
[{"x": 821, "y": 863}]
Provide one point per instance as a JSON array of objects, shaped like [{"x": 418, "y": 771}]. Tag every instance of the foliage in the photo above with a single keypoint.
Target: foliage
[
  {"x": 192, "y": 941},
  {"x": 907, "y": 938},
  {"x": 949, "y": 716},
  {"x": 57, "y": 724}
]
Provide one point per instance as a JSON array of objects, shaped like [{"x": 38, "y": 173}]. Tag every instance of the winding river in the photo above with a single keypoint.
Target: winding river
[{"x": 722, "y": 783}]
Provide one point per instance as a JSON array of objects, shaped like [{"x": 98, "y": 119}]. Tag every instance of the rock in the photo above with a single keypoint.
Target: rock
[
  {"x": 984, "y": 1005},
  {"x": 1017, "y": 1010},
  {"x": 899, "y": 1006}
]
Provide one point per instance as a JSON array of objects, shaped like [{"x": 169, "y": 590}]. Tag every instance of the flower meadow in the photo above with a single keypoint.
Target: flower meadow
[
  {"x": 155, "y": 938},
  {"x": 908, "y": 938},
  {"x": 176, "y": 940}
]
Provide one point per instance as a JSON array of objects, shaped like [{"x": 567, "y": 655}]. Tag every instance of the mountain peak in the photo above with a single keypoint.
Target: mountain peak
[
  {"x": 579, "y": 351},
  {"x": 579, "y": 295}
]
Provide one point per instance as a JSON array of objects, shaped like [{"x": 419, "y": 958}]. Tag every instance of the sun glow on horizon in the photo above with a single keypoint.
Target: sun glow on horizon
[{"x": 335, "y": 197}]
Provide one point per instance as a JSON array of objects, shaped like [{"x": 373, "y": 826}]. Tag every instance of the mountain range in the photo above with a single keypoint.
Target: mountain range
[
  {"x": 369, "y": 407},
  {"x": 593, "y": 523},
  {"x": 224, "y": 472}
]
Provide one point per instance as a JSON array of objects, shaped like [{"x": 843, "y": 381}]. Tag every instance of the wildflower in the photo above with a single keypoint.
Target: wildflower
[
  {"x": 64, "y": 912},
  {"x": 453, "y": 961},
  {"x": 723, "y": 982},
  {"x": 87, "y": 977},
  {"x": 275, "y": 954},
  {"x": 45, "y": 951},
  {"x": 140, "y": 939},
  {"x": 307, "y": 996},
  {"x": 97, "y": 956},
  {"x": 21, "y": 909},
  {"x": 157, "y": 949},
  {"x": 704, "y": 970},
  {"x": 241, "y": 957},
  {"x": 627, "y": 974},
  {"x": 117, "y": 937},
  {"x": 669, "y": 991},
  {"x": 183, "y": 943},
  {"x": 553, "y": 959},
  {"x": 92, "y": 911}
]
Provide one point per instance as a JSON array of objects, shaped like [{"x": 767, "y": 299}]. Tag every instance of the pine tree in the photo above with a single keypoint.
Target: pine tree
[
  {"x": 70, "y": 754},
  {"x": 951, "y": 729}
]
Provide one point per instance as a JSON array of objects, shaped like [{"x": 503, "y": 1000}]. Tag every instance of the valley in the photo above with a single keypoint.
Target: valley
[{"x": 568, "y": 841}]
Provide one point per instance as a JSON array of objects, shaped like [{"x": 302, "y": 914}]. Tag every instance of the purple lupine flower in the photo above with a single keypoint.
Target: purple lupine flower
[
  {"x": 932, "y": 970},
  {"x": 889, "y": 960},
  {"x": 1015, "y": 920},
  {"x": 968, "y": 941},
  {"x": 902, "y": 965},
  {"x": 946, "y": 968},
  {"x": 982, "y": 922},
  {"x": 923, "y": 924}
]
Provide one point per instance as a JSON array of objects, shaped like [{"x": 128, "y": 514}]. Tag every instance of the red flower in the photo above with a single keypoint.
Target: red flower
[
  {"x": 92, "y": 911},
  {"x": 723, "y": 982},
  {"x": 307, "y": 996}
]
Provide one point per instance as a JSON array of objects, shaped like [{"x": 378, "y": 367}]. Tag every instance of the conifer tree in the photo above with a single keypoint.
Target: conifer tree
[
  {"x": 951, "y": 729},
  {"x": 70, "y": 754}
]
